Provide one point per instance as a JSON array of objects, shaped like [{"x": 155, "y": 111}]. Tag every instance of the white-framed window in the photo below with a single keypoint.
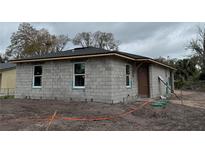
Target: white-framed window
[
  {"x": 79, "y": 75},
  {"x": 37, "y": 76},
  {"x": 128, "y": 76}
]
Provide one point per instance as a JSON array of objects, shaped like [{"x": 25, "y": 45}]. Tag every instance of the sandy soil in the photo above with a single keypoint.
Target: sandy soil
[
  {"x": 190, "y": 98},
  {"x": 17, "y": 114}
]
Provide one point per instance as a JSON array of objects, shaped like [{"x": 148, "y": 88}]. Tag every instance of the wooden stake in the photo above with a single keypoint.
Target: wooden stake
[{"x": 52, "y": 118}]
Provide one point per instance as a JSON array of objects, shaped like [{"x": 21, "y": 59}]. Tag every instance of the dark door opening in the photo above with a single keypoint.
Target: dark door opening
[{"x": 143, "y": 80}]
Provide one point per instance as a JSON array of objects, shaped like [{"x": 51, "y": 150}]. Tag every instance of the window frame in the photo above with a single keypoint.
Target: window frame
[
  {"x": 74, "y": 75},
  {"x": 129, "y": 75},
  {"x": 33, "y": 85}
]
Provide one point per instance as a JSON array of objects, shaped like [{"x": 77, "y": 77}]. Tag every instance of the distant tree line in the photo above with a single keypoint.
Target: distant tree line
[
  {"x": 186, "y": 70},
  {"x": 192, "y": 68},
  {"x": 28, "y": 41},
  {"x": 98, "y": 39}
]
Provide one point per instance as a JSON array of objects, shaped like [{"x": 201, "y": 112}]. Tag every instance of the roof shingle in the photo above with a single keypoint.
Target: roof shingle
[
  {"x": 85, "y": 51},
  {"x": 81, "y": 52},
  {"x": 4, "y": 66}
]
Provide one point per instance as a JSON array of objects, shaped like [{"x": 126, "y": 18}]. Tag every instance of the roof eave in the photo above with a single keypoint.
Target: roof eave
[
  {"x": 59, "y": 58},
  {"x": 6, "y": 69},
  {"x": 90, "y": 56},
  {"x": 156, "y": 62}
]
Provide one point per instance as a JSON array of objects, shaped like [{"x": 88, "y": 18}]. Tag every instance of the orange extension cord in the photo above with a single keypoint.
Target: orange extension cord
[{"x": 102, "y": 118}]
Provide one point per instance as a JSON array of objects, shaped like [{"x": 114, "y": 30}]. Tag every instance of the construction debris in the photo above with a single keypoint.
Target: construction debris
[{"x": 51, "y": 120}]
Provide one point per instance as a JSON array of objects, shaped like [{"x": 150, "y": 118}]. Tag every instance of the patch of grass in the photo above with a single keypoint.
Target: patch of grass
[{"x": 7, "y": 97}]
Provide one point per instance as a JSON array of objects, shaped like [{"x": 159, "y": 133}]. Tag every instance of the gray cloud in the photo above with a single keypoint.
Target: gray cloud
[{"x": 149, "y": 39}]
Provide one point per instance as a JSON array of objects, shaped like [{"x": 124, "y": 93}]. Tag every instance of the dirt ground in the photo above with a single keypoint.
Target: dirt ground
[
  {"x": 190, "y": 98},
  {"x": 18, "y": 114}
]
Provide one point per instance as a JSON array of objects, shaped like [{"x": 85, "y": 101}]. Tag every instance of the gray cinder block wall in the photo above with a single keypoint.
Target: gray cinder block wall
[
  {"x": 105, "y": 81},
  {"x": 121, "y": 93},
  {"x": 157, "y": 88}
]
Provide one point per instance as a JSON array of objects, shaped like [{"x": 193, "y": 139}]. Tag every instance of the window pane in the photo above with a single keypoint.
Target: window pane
[
  {"x": 127, "y": 81},
  {"x": 127, "y": 69},
  {"x": 38, "y": 70},
  {"x": 80, "y": 80},
  {"x": 80, "y": 68},
  {"x": 37, "y": 81}
]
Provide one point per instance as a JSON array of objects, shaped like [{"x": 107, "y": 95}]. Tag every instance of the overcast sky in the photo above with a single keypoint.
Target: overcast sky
[{"x": 148, "y": 39}]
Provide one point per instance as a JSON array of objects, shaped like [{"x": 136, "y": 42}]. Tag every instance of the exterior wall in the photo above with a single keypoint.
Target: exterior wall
[
  {"x": 0, "y": 79},
  {"x": 105, "y": 81},
  {"x": 121, "y": 93},
  {"x": 172, "y": 77},
  {"x": 8, "y": 79},
  {"x": 57, "y": 81},
  {"x": 157, "y": 88}
]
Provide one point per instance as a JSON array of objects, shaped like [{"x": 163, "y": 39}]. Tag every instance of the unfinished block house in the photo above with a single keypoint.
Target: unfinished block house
[{"x": 92, "y": 74}]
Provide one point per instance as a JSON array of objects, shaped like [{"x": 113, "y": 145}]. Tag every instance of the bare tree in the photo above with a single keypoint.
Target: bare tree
[
  {"x": 198, "y": 46},
  {"x": 105, "y": 40},
  {"x": 3, "y": 59},
  {"x": 83, "y": 39},
  {"x": 98, "y": 39},
  {"x": 60, "y": 42},
  {"x": 30, "y": 41}
]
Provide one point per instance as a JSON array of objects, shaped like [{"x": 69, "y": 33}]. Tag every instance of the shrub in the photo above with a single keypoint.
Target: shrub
[
  {"x": 178, "y": 84},
  {"x": 6, "y": 97}
]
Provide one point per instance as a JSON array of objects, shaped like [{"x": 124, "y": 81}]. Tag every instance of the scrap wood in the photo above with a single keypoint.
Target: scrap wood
[
  {"x": 51, "y": 120},
  {"x": 162, "y": 80}
]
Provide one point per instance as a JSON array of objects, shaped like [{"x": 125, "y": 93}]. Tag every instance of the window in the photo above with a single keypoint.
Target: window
[
  {"x": 37, "y": 77},
  {"x": 128, "y": 83},
  {"x": 79, "y": 75}
]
